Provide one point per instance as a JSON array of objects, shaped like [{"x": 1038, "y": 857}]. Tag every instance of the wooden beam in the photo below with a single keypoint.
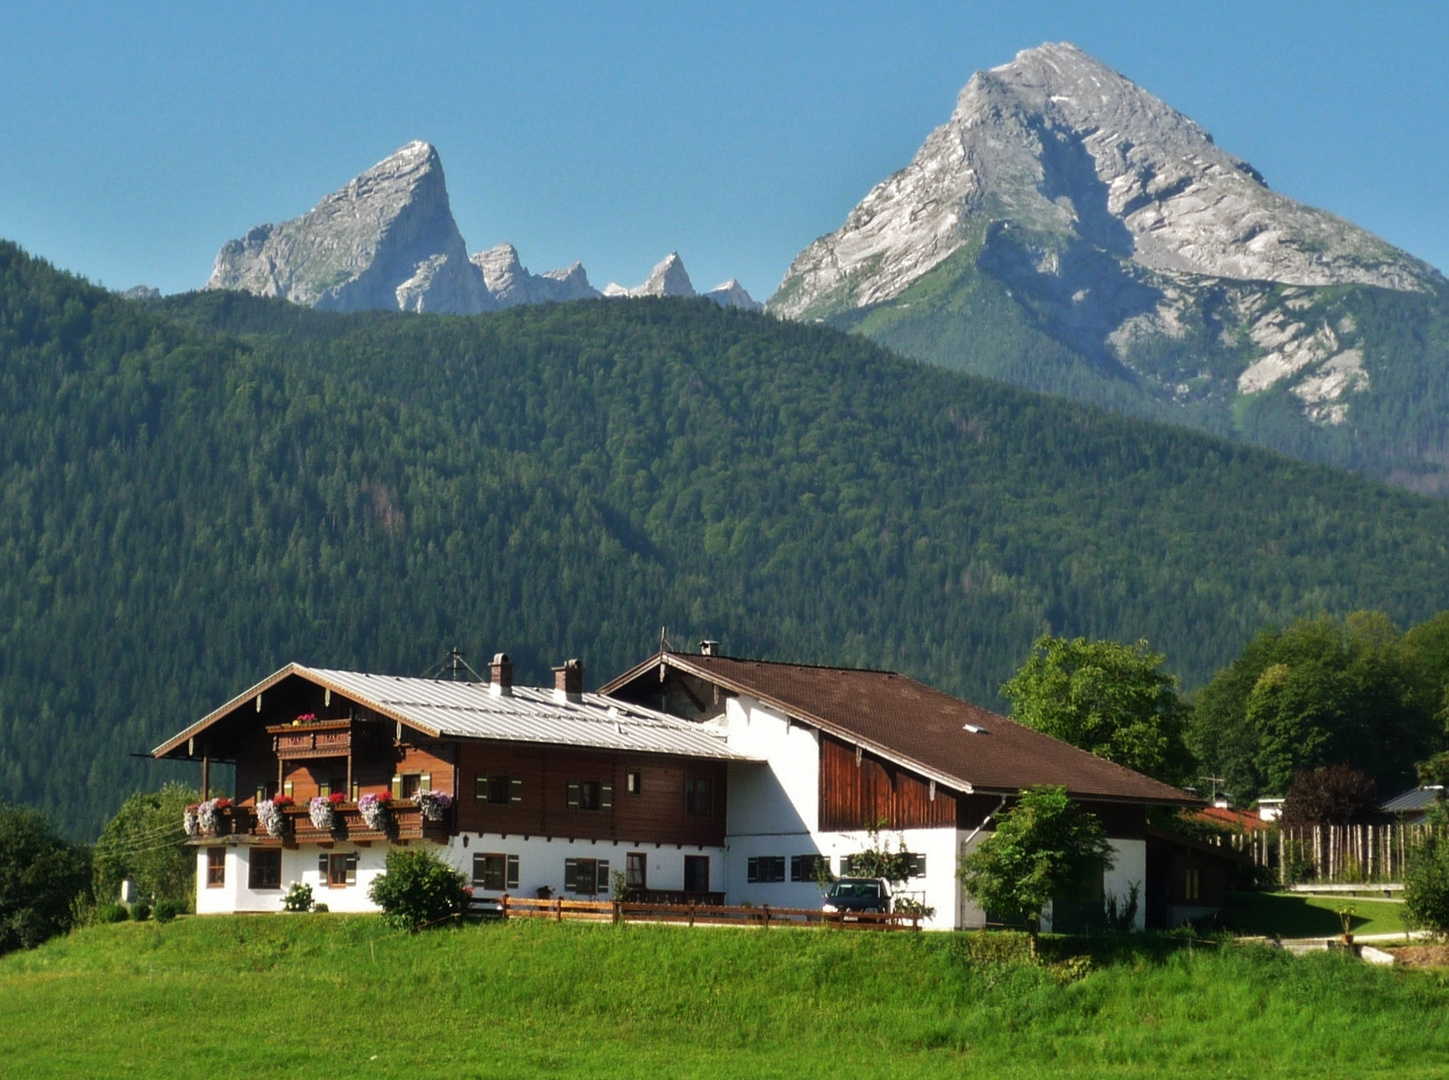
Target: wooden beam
[{"x": 205, "y": 777}]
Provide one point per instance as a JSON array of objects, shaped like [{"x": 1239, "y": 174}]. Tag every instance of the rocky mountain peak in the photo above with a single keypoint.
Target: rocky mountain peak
[
  {"x": 1058, "y": 143},
  {"x": 387, "y": 239},
  {"x": 509, "y": 282}
]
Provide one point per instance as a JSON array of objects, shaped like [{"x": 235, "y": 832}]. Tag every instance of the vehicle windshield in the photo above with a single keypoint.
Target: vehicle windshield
[{"x": 869, "y": 890}]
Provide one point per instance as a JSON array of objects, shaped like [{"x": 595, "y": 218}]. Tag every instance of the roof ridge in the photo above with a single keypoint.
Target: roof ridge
[{"x": 787, "y": 663}]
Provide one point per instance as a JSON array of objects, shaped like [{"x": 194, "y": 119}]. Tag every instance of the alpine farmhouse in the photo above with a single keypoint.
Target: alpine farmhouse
[{"x": 699, "y": 776}]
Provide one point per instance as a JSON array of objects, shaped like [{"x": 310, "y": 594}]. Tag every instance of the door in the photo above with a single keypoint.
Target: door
[{"x": 696, "y": 873}]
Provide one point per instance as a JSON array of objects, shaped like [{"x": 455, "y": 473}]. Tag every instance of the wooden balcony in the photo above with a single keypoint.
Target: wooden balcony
[
  {"x": 239, "y": 824},
  {"x": 317, "y": 739}
]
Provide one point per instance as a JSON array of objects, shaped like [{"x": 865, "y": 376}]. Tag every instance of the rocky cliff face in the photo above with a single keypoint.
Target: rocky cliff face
[
  {"x": 386, "y": 240},
  {"x": 1063, "y": 205}
]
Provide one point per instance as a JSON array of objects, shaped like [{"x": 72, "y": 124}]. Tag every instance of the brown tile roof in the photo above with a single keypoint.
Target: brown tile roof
[{"x": 919, "y": 727}]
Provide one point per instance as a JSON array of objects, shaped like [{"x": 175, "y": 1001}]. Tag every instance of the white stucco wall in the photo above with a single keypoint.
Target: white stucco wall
[
  {"x": 1129, "y": 868},
  {"x": 298, "y": 864},
  {"x": 541, "y": 860}
]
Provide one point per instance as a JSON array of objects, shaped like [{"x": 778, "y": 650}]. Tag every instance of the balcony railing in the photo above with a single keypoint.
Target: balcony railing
[
  {"x": 405, "y": 822},
  {"x": 319, "y": 738}
]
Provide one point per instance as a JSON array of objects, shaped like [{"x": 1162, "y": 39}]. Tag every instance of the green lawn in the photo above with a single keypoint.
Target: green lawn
[
  {"x": 1296, "y": 915},
  {"x": 322, "y": 996}
]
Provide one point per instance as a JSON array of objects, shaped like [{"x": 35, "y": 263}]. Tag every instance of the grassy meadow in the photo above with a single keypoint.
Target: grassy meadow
[{"x": 342, "y": 996}]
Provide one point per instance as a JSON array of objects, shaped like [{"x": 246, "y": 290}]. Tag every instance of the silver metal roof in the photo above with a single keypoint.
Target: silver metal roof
[
  {"x": 1420, "y": 798},
  {"x": 529, "y": 714}
]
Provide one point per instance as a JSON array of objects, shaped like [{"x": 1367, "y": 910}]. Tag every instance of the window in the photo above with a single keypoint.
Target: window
[
  {"x": 338, "y": 870},
  {"x": 591, "y": 795},
  {"x": 765, "y": 868},
  {"x": 1192, "y": 889},
  {"x": 495, "y": 872},
  {"x": 265, "y": 792},
  {"x": 634, "y": 782},
  {"x": 808, "y": 867},
  {"x": 409, "y": 784},
  {"x": 696, "y": 873},
  {"x": 636, "y": 870},
  {"x": 215, "y": 867},
  {"x": 697, "y": 797},
  {"x": 847, "y": 867},
  {"x": 327, "y": 787},
  {"x": 265, "y": 868},
  {"x": 498, "y": 790},
  {"x": 586, "y": 876},
  {"x": 918, "y": 865}
]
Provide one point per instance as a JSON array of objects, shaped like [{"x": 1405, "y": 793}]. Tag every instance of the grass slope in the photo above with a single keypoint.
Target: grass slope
[{"x": 336, "y": 996}]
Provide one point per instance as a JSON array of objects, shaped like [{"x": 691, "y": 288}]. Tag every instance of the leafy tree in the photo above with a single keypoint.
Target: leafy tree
[
  {"x": 1043, "y": 847},
  {"x": 1426, "y": 885},
  {"x": 41, "y": 876},
  {"x": 1113, "y": 700},
  {"x": 418, "y": 890},
  {"x": 877, "y": 859},
  {"x": 1321, "y": 692},
  {"x": 1334, "y": 795},
  {"x": 146, "y": 841}
]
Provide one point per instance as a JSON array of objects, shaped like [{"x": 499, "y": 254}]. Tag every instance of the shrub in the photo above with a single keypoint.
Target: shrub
[
  {"x": 112, "y": 913},
  {"x": 140, "y": 911},
  {"x": 1335, "y": 795},
  {"x": 418, "y": 889},
  {"x": 321, "y": 909},
  {"x": 1426, "y": 886},
  {"x": 168, "y": 909},
  {"x": 298, "y": 898}
]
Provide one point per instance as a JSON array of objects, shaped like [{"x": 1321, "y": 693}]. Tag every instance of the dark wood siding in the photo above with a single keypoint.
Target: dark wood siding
[
  {"x": 859, "y": 795},
  {"x": 655, "y": 815}
]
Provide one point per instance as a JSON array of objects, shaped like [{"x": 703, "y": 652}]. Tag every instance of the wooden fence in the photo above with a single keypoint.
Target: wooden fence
[
  {"x": 561, "y": 909},
  {"x": 1332, "y": 854}
]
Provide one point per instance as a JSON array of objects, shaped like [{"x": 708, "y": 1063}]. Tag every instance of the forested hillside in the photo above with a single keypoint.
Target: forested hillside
[{"x": 193, "y": 493}]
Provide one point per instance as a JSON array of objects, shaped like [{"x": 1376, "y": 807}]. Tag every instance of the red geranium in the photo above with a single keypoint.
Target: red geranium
[
  {"x": 283, "y": 800},
  {"x": 222, "y": 803},
  {"x": 384, "y": 796},
  {"x": 337, "y": 798}
]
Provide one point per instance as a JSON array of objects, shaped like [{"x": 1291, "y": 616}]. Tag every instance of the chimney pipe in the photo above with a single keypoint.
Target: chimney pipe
[
  {"x": 568, "y": 681},
  {"x": 500, "y": 683},
  {"x": 708, "y": 648}
]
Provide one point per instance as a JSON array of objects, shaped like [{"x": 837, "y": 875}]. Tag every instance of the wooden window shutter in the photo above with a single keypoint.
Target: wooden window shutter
[
  {"x": 322, "y": 866},
  {"x": 352, "y": 869},
  {"x": 324, "y": 788},
  {"x": 606, "y": 796},
  {"x": 425, "y": 782},
  {"x": 480, "y": 865},
  {"x": 603, "y": 875},
  {"x": 574, "y": 794},
  {"x": 480, "y": 788},
  {"x": 287, "y": 789},
  {"x": 512, "y": 881},
  {"x": 515, "y": 791},
  {"x": 571, "y": 875},
  {"x": 397, "y": 787},
  {"x": 261, "y": 793},
  {"x": 752, "y": 869}
]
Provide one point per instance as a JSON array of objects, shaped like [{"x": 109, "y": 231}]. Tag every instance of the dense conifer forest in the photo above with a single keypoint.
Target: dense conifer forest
[{"x": 196, "y": 491}]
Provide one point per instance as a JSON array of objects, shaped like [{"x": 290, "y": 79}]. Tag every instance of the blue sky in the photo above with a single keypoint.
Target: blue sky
[{"x": 139, "y": 138}]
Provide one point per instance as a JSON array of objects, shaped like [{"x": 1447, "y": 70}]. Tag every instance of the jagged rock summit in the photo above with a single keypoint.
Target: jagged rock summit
[
  {"x": 1069, "y": 231},
  {"x": 670, "y": 278},
  {"x": 1059, "y": 143},
  {"x": 386, "y": 240},
  {"x": 509, "y": 282}
]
